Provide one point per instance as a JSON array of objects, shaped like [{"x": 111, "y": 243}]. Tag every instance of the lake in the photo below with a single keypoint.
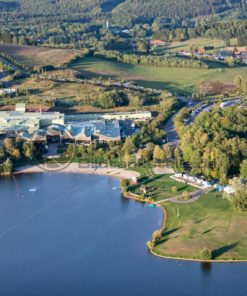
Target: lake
[{"x": 69, "y": 234}]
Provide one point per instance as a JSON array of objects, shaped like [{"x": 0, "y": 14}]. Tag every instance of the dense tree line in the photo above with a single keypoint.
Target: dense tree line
[
  {"x": 79, "y": 23},
  {"x": 135, "y": 10},
  {"x": 150, "y": 60},
  {"x": 13, "y": 150},
  {"x": 238, "y": 196},
  {"x": 216, "y": 144},
  {"x": 13, "y": 61},
  {"x": 224, "y": 30}
]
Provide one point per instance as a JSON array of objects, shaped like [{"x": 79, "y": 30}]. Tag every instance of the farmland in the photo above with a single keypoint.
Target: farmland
[
  {"x": 32, "y": 56},
  {"x": 177, "y": 80}
]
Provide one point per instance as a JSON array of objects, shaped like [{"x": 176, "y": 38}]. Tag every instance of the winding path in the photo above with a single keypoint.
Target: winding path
[{"x": 194, "y": 196}]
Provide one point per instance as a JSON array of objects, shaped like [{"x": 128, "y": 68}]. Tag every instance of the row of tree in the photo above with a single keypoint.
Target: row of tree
[{"x": 150, "y": 60}]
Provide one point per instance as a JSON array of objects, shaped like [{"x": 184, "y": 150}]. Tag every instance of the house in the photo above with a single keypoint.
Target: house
[
  {"x": 201, "y": 50},
  {"x": 184, "y": 53},
  {"x": 157, "y": 43},
  {"x": 241, "y": 49},
  {"x": 133, "y": 181},
  {"x": 8, "y": 91}
]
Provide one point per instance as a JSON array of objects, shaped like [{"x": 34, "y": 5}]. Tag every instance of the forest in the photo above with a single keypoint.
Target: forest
[
  {"x": 83, "y": 21},
  {"x": 216, "y": 144}
]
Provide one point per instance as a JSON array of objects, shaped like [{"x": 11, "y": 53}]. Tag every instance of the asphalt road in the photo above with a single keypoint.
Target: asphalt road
[{"x": 169, "y": 128}]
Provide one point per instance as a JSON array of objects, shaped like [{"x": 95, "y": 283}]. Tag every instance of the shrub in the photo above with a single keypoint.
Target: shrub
[
  {"x": 206, "y": 254},
  {"x": 188, "y": 234},
  {"x": 142, "y": 196},
  {"x": 186, "y": 196},
  {"x": 150, "y": 245},
  {"x": 174, "y": 189},
  {"x": 124, "y": 183},
  {"x": 157, "y": 235}
]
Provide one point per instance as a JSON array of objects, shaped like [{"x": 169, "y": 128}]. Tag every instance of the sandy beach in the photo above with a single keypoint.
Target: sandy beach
[{"x": 78, "y": 168}]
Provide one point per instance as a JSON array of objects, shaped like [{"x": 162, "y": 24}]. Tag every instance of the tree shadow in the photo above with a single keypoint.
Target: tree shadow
[
  {"x": 171, "y": 231},
  {"x": 207, "y": 231},
  {"x": 165, "y": 236},
  {"x": 218, "y": 252},
  {"x": 201, "y": 220}
]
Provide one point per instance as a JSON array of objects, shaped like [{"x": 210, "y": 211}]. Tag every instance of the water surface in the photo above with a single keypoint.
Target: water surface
[{"x": 75, "y": 235}]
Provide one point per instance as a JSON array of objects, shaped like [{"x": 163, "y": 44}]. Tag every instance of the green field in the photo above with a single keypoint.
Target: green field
[
  {"x": 197, "y": 42},
  {"x": 182, "y": 81},
  {"x": 208, "y": 222},
  {"x": 158, "y": 187}
]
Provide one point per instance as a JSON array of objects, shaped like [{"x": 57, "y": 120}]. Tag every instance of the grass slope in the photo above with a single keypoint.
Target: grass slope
[
  {"x": 158, "y": 187},
  {"x": 183, "y": 81},
  {"x": 208, "y": 222}
]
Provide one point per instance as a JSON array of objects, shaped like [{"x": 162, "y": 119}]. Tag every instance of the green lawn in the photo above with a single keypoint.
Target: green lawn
[
  {"x": 208, "y": 222},
  {"x": 182, "y": 81},
  {"x": 158, "y": 187}
]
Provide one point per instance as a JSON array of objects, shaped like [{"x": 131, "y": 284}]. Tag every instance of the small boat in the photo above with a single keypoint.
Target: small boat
[
  {"x": 34, "y": 189},
  {"x": 151, "y": 205}
]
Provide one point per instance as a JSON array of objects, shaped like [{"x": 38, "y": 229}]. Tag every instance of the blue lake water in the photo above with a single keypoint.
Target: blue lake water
[{"x": 74, "y": 235}]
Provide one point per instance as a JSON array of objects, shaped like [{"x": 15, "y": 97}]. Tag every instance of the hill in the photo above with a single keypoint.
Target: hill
[
  {"x": 169, "y": 10},
  {"x": 123, "y": 11}
]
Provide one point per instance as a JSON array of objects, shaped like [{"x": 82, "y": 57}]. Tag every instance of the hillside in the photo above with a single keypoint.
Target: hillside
[
  {"x": 175, "y": 9},
  {"x": 123, "y": 11}
]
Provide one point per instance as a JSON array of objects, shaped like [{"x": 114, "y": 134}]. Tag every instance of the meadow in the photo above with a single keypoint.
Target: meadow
[
  {"x": 196, "y": 42},
  {"x": 181, "y": 81},
  {"x": 209, "y": 222}
]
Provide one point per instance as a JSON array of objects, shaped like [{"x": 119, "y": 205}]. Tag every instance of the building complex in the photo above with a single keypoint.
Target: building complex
[{"x": 49, "y": 126}]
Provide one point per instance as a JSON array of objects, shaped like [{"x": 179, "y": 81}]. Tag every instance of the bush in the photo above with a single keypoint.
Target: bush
[
  {"x": 174, "y": 189},
  {"x": 157, "y": 235},
  {"x": 124, "y": 183},
  {"x": 186, "y": 196},
  {"x": 150, "y": 245},
  {"x": 142, "y": 196},
  {"x": 206, "y": 254}
]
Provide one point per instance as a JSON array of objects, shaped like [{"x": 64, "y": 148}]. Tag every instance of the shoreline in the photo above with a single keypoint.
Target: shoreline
[
  {"x": 118, "y": 173},
  {"x": 131, "y": 196},
  {"x": 78, "y": 168}
]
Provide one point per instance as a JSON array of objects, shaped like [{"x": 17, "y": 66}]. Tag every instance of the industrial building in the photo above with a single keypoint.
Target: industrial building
[
  {"x": 14, "y": 122},
  {"x": 135, "y": 116},
  {"x": 52, "y": 127}
]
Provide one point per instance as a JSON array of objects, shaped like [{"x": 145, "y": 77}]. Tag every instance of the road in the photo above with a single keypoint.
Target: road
[
  {"x": 169, "y": 128},
  {"x": 171, "y": 133}
]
